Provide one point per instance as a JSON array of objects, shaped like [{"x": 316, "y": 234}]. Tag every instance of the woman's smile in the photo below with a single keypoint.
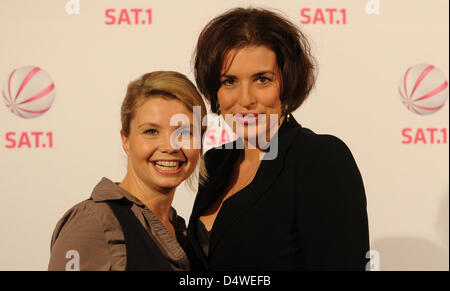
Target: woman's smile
[
  {"x": 246, "y": 118},
  {"x": 166, "y": 167},
  {"x": 250, "y": 91},
  {"x": 152, "y": 157}
]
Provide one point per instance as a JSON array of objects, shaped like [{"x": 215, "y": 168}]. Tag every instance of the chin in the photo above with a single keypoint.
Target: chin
[
  {"x": 168, "y": 184},
  {"x": 253, "y": 136}
]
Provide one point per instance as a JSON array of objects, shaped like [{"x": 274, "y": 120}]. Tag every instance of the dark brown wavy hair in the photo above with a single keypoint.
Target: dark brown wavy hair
[{"x": 242, "y": 27}]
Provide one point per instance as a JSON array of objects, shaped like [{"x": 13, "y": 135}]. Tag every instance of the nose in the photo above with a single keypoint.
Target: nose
[
  {"x": 246, "y": 98},
  {"x": 169, "y": 145}
]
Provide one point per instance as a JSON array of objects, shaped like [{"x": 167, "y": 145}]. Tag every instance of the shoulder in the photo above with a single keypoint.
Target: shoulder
[
  {"x": 328, "y": 175},
  {"x": 81, "y": 229},
  {"x": 312, "y": 147},
  {"x": 306, "y": 137},
  {"x": 320, "y": 157},
  {"x": 86, "y": 215},
  {"x": 326, "y": 166}
]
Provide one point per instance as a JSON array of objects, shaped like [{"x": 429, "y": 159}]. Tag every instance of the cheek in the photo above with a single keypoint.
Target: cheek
[
  {"x": 141, "y": 149},
  {"x": 226, "y": 99},
  {"x": 270, "y": 99},
  {"x": 193, "y": 156}
]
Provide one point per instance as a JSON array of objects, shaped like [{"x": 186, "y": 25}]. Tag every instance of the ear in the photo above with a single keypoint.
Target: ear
[{"x": 125, "y": 144}]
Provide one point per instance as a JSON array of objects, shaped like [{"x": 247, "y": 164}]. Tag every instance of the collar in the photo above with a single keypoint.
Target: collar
[{"x": 108, "y": 190}]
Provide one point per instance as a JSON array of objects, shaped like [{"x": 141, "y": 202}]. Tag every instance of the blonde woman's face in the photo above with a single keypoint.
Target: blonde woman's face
[{"x": 151, "y": 155}]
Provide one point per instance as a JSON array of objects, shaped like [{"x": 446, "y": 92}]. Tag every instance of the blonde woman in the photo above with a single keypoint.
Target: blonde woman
[{"x": 131, "y": 225}]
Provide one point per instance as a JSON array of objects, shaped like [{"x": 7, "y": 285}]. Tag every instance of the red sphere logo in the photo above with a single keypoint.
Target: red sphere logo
[
  {"x": 423, "y": 89},
  {"x": 29, "y": 92}
]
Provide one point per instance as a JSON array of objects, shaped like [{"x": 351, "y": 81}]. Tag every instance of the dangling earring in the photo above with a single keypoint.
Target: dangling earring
[
  {"x": 219, "y": 116},
  {"x": 288, "y": 115},
  {"x": 217, "y": 113}
]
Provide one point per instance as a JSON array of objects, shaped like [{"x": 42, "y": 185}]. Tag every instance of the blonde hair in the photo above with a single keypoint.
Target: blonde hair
[{"x": 168, "y": 84}]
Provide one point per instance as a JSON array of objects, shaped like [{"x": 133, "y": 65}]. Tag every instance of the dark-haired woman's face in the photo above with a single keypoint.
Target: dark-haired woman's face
[{"x": 250, "y": 88}]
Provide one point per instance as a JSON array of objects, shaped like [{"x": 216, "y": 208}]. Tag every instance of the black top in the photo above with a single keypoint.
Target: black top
[
  {"x": 142, "y": 252},
  {"x": 304, "y": 210},
  {"x": 203, "y": 237}
]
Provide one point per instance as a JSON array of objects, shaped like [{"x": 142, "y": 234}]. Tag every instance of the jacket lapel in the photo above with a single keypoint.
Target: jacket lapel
[
  {"x": 236, "y": 205},
  {"x": 222, "y": 164}
]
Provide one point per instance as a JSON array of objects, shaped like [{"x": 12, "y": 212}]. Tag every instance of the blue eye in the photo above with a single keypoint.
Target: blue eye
[{"x": 151, "y": 131}]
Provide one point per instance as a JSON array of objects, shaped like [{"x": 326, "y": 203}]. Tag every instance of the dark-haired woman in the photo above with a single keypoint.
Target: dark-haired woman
[{"x": 281, "y": 197}]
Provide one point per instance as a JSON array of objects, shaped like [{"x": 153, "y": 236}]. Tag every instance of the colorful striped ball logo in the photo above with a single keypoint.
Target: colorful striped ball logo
[
  {"x": 423, "y": 89},
  {"x": 29, "y": 92}
]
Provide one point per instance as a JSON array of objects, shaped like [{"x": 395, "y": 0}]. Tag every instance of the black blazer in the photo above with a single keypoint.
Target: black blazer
[{"x": 304, "y": 210}]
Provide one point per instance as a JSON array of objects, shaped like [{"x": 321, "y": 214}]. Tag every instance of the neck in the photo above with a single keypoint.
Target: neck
[
  {"x": 158, "y": 201},
  {"x": 253, "y": 153}
]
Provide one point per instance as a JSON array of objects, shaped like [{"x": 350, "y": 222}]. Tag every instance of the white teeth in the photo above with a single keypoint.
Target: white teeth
[{"x": 167, "y": 165}]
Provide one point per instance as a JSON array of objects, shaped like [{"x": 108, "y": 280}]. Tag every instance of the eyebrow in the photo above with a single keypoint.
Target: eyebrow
[
  {"x": 254, "y": 75},
  {"x": 151, "y": 124}
]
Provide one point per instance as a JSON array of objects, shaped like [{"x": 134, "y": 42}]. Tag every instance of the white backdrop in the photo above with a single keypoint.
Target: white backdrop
[{"x": 91, "y": 56}]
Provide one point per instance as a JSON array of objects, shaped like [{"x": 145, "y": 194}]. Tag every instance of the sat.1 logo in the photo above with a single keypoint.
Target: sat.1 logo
[
  {"x": 423, "y": 90},
  {"x": 28, "y": 93}
]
